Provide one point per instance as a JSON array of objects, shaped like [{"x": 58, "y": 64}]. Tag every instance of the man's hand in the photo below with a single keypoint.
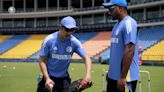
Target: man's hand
[
  {"x": 84, "y": 84},
  {"x": 49, "y": 85},
  {"x": 121, "y": 84}
]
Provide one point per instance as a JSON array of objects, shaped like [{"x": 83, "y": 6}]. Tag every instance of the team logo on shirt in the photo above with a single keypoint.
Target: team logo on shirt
[
  {"x": 69, "y": 49},
  {"x": 55, "y": 49}
]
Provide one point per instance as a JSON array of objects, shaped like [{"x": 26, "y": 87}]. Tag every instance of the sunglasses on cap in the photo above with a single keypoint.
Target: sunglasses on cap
[
  {"x": 70, "y": 30},
  {"x": 112, "y": 8}
]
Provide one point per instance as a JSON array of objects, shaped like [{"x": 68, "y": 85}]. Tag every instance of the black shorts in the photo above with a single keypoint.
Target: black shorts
[
  {"x": 61, "y": 84},
  {"x": 112, "y": 85}
]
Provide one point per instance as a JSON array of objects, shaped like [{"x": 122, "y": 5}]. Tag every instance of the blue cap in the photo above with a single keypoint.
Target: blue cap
[
  {"x": 68, "y": 22},
  {"x": 117, "y": 2}
]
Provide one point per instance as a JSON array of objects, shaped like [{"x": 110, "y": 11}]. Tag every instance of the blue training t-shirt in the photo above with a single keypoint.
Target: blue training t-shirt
[
  {"x": 123, "y": 33},
  {"x": 59, "y": 53}
]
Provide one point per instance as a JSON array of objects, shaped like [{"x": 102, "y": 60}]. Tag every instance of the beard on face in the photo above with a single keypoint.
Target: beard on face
[{"x": 115, "y": 16}]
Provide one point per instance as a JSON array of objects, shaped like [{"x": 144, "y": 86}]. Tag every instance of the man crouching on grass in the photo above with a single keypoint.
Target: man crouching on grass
[{"x": 55, "y": 56}]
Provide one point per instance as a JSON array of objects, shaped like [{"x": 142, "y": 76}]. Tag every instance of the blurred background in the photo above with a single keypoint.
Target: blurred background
[{"x": 25, "y": 23}]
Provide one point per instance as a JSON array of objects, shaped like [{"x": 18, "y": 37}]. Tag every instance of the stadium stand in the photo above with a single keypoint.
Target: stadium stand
[
  {"x": 4, "y": 37},
  {"x": 96, "y": 44},
  {"x": 150, "y": 36},
  {"x": 85, "y": 36},
  {"x": 11, "y": 42},
  {"x": 25, "y": 49},
  {"x": 43, "y": 17},
  {"x": 105, "y": 54},
  {"x": 154, "y": 53}
]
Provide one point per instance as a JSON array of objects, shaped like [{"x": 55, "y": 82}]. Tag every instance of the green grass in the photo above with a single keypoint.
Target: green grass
[{"x": 24, "y": 77}]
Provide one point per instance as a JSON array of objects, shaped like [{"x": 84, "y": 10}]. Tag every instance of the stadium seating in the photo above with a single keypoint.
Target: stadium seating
[
  {"x": 11, "y": 42},
  {"x": 4, "y": 37},
  {"x": 96, "y": 44},
  {"x": 24, "y": 49},
  {"x": 150, "y": 36},
  {"x": 154, "y": 53},
  {"x": 104, "y": 54},
  {"x": 19, "y": 46},
  {"x": 85, "y": 36}
]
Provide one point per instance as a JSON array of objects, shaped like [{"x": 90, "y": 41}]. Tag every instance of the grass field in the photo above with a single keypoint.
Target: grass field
[{"x": 22, "y": 77}]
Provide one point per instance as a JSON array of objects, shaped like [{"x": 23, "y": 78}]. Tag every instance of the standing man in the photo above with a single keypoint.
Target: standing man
[
  {"x": 55, "y": 55},
  {"x": 124, "y": 70}
]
